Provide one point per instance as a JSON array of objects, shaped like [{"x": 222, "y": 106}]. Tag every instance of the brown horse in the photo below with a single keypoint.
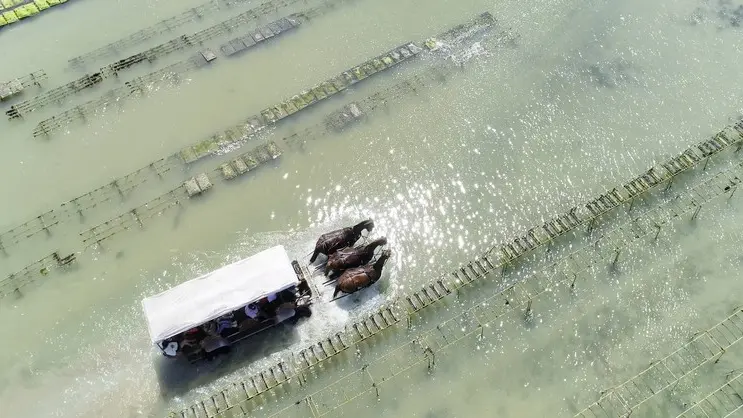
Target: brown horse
[
  {"x": 350, "y": 257},
  {"x": 345, "y": 237},
  {"x": 358, "y": 278}
]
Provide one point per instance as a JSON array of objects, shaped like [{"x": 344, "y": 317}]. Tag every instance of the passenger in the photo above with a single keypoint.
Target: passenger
[
  {"x": 170, "y": 347},
  {"x": 270, "y": 303},
  {"x": 210, "y": 328},
  {"x": 192, "y": 339},
  {"x": 213, "y": 343},
  {"x": 193, "y": 334},
  {"x": 253, "y": 311},
  {"x": 226, "y": 325},
  {"x": 265, "y": 303},
  {"x": 254, "y": 316}
]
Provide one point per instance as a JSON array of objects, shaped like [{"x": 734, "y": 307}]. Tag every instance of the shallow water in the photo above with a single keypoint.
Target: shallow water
[{"x": 590, "y": 95}]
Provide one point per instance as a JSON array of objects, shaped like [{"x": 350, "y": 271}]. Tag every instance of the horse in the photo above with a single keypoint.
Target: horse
[
  {"x": 359, "y": 278},
  {"x": 350, "y": 257},
  {"x": 330, "y": 242}
]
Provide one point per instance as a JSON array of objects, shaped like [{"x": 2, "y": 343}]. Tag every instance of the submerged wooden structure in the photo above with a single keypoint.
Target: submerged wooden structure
[
  {"x": 115, "y": 96},
  {"x": 304, "y": 99},
  {"x": 186, "y": 41},
  {"x": 725, "y": 401},
  {"x": 260, "y": 35},
  {"x": 140, "y": 84},
  {"x": 121, "y": 187},
  {"x": 252, "y": 39},
  {"x": 10, "y": 89},
  {"x": 661, "y": 375},
  {"x": 54, "y": 95},
  {"x": 195, "y": 40},
  {"x": 166, "y": 25},
  {"x": 15, "y": 282},
  {"x": 195, "y": 186},
  {"x": 271, "y": 115},
  {"x": 134, "y": 218},
  {"x": 77, "y": 207}
]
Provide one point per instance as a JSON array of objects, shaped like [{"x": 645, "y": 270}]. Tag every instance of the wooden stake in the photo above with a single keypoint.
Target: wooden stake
[
  {"x": 431, "y": 356},
  {"x": 79, "y": 211},
  {"x": 115, "y": 183},
  {"x": 696, "y": 212},
  {"x": 136, "y": 217},
  {"x": 590, "y": 225},
  {"x": 730, "y": 373},
  {"x": 43, "y": 225},
  {"x": 720, "y": 356}
]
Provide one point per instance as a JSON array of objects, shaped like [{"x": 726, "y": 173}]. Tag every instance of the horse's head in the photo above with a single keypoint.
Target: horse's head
[
  {"x": 377, "y": 243},
  {"x": 383, "y": 257},
  {"x": 367, "y": 224}
]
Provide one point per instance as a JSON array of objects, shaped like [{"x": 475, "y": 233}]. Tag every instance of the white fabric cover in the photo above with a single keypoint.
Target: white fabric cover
[{"x": 214, "y": 294}]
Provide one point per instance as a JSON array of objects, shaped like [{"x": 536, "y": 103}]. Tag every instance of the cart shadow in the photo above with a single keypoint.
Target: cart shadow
[{"x": 177, "y": 376}]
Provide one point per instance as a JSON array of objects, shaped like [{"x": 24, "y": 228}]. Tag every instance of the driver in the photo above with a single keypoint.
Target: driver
[{"x": 253, "y": 311}]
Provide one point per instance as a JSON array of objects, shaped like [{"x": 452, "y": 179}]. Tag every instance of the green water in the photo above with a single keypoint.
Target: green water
[{"x": 590, "y": 95}]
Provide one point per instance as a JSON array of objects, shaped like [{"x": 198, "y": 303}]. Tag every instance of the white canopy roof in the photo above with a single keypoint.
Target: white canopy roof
[{"x": 214, "y": 294}]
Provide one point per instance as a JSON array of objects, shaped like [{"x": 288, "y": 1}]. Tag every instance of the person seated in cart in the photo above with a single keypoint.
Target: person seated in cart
[
  {"x": 266, "y": 308},
  {"x": 214, "y": 343},
  {"x": 191, "y": 340},
  {"x": 251, "y": 316},
  {"x": 206, "y": 315},
  {"x": 227, "y": 325},
  {"x": 285, "y": 298},
  {"x": 257, "y": 313}
]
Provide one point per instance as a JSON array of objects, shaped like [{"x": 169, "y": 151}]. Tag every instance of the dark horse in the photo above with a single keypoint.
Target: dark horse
[
  {"x": 349, "y": 257},
  {"x": 360, "y": 277},
  {"x": 345, "y": 237}
]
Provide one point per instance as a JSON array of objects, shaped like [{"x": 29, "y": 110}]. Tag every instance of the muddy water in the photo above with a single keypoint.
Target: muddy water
[{"x": 591, "y": 94}]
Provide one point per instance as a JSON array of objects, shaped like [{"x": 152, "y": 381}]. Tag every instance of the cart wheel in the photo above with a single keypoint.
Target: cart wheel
[{"x": 303, "y": 311}]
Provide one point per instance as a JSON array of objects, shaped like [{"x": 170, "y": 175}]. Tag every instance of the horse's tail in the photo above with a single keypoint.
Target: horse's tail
[{"x": 314, "y": 256}]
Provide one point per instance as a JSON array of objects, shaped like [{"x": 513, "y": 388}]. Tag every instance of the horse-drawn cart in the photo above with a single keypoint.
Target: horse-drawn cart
[{"x": 205, "y": 316}]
